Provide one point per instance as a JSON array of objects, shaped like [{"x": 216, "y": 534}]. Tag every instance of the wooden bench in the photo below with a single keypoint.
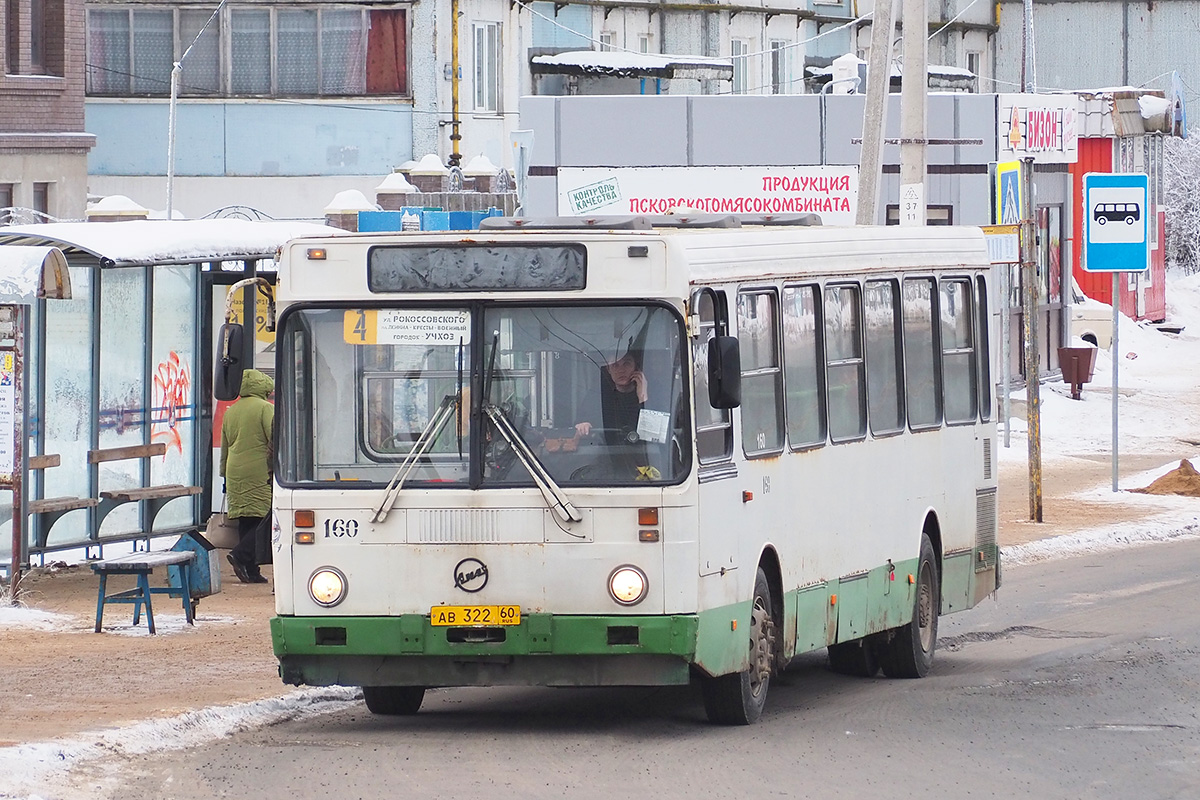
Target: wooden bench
[
  {"x": 155, "y": 497},
  {"x": 142, "y": 565},
  {"x": 51, "y": 508}
]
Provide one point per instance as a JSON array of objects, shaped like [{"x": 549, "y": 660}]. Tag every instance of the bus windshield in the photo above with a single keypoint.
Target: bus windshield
[{"x": 597, "y": 393}]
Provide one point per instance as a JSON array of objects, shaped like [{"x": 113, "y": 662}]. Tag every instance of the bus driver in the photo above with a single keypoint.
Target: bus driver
[{"x": 623, "y": 392}]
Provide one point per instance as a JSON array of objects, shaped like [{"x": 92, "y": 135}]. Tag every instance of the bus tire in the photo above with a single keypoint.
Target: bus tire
[
  {"x": 909, "y": 654},
  {"x": 393, "y": 701},
  {"x": 856, "y": 657},
  {"x": 738, "y": 699}
]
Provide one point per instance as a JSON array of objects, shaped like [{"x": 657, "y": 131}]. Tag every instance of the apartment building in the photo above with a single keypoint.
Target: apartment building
[{"x": 43, "y": 146}]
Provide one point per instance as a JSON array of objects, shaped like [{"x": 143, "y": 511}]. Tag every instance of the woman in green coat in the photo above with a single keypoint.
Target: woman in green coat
[{"x": 246, "y": 468}]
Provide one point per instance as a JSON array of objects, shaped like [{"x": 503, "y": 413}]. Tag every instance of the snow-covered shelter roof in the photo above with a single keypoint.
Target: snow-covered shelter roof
[
  {"x": 150, "y": 242},
  {"x": 615, "y": 64},
  {"x": 27, "y": 273}
]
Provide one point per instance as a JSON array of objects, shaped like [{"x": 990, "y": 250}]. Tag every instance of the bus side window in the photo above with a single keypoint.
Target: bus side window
[
  {"x": 958, "y": 351},
  {"x": 762, "y": 374},
  {"x": 922, "y": 378},
  {"x": 804, "y": 365},
  {"x": 885, "y": 388},
  {"x": 844, "y": 351},
  {"x": 984, "y": 319},
  {"x": 714, "y": 431}
]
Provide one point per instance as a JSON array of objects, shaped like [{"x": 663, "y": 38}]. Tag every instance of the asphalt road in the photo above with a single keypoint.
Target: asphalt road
[{"x": 1081, "y": 680}]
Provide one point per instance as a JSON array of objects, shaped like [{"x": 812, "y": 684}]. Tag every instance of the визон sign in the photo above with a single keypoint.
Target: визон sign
[
  {"x": 830, "y": 191},
  {"x": 1042, "y": 127}
]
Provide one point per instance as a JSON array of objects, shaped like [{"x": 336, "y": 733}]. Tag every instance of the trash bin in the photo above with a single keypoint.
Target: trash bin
[{"x": 1078, "y": 365}]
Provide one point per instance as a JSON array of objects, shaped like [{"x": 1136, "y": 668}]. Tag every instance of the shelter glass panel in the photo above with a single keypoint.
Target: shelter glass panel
[
  {"x": 70, "y": 404},
  {"x": 173, "y": 401},
  {"x": 122, "y": 407}
]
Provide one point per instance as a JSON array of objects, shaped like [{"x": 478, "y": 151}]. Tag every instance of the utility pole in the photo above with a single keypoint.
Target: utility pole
[
  {"x": 455, "y": 136},
  {"x": 1030, "y": 295},
  {"x": 914, "y": 94},
  {"x": 879, "y": 76}
]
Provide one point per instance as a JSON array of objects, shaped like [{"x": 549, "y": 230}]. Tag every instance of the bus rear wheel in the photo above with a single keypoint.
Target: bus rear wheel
[
  {"x": 857, "y": 657},
  {"x": 909, "y": 654},
  {"x": 738, "y": 699},
  {"x": 393, "y": 701}
]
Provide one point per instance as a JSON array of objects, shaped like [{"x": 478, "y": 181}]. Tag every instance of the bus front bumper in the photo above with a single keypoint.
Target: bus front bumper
[{"x": 543, "y": 650}]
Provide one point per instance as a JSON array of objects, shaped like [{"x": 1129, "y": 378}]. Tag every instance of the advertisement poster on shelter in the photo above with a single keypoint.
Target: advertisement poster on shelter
[{"x": 831, "y": 192}]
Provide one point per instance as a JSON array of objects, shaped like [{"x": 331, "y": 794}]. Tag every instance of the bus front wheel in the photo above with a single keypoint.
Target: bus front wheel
[
  {"x": 909, "y": 654},
  {"x": 738, "y": 699},
  {"x": 393, "y": 700}
]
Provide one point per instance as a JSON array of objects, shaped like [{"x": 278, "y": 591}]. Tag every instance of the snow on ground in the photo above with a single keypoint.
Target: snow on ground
[
  {"x": 1155, "y": 374},
  {"x": 50, "y": 766}
]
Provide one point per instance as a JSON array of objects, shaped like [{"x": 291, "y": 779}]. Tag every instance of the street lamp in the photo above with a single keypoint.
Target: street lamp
[{"x": 176, "y": 71}]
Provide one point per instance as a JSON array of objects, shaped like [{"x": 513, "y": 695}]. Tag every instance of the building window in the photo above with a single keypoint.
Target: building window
[
  {"x": 781, "y": 77},
  {"x": 606, "y": 41},
  {"x": 7, "y": 190},
  {"x": 487, "y": 66},
  {"x": 12, "y": 17},
  {"x": 41, "y": 199},
  {"x": 37, "y": 36},
  {"x": 974, "y": 60},
  {"x": 738, "y": 50},
  {"x": 260, "y": 50},
  {"x": 34, "y": 37},
  {"x": 645, "y": 43}
]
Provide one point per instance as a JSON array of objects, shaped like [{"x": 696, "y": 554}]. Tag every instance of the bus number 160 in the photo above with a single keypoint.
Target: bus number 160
[{"x": 341, "y": 527}]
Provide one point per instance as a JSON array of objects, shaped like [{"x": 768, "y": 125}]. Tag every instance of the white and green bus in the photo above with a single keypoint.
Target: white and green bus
[{"x": 628, "y": 452}]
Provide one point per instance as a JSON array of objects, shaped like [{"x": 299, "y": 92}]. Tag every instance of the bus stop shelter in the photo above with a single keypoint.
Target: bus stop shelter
[{"x": 124, "y": 361}]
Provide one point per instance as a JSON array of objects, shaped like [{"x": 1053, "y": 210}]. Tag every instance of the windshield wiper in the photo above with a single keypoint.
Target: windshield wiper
[
  {"x": 448, "y": 406},
  {"x": 553, "y": 494}
]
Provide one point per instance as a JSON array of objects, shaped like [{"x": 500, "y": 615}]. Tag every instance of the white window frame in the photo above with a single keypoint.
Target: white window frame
[
  {"x": 487, "y": 48},
  {"x": 781, "y": 57},
  {"x": 646, "y": 43},
  {"x": 738, "y": 52},
  {"x": 606, "y": 41}
]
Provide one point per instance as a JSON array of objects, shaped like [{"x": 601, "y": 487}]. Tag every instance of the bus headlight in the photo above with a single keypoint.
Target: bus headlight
[
  {"x": 327, "y": 587},
  {"x": 627, "y": 585}
]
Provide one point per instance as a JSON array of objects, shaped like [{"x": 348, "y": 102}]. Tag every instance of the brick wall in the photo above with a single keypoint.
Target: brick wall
[{"x": 45, "y": 103}]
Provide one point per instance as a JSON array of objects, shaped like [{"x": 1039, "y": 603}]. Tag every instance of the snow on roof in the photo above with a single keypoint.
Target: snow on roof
[
  {"x": 25, "y": 270},
  {"x": 936, "y": 70},
  {"x": 633, "y": 65},
  {"x": 349, "y": 201},
  {"x": 394, "y": 183},
  {"x": 429, "y": 164},
  {"x": 117, "y": 204},
  {"x": 480, "y": 165},
  {"x": 150, "y": 242}
]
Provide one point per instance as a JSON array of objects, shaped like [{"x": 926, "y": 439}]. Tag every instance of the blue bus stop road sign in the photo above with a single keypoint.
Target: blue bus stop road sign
[{"x": 1116, "y": 221}]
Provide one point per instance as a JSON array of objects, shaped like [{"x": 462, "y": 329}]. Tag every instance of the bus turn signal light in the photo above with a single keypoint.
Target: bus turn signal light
[
  {"x": 647, "y": 517},
  {"x": 304, "y": 519},
  {"x": 316, "y": 254},
  {"x": 305, "y": 537},
  {"x": 648, "y": 535}
]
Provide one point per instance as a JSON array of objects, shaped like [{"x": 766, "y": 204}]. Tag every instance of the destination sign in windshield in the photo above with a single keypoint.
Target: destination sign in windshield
[{"x": 416, "y": 327}]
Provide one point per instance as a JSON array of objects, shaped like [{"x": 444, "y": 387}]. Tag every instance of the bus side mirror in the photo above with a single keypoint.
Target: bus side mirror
[
  {"x": 227, "y": 373},
  {"x": 724, "y": 372}
]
